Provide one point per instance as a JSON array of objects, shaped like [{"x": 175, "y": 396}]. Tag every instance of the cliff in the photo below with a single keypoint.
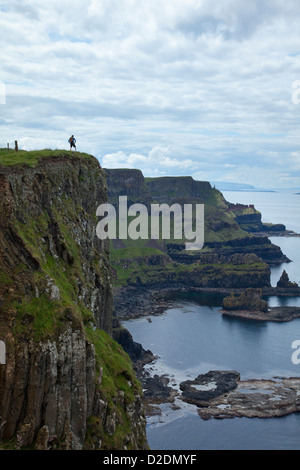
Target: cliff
[
  {"x": 226, "y": 230},
  {"x": 224, "y": 260},
  {"x": 219, "y": 222},
  {"x": 66, "y": 383},
  {"x": 250, "y": 220},
  {"x": 127, "y": 182}
]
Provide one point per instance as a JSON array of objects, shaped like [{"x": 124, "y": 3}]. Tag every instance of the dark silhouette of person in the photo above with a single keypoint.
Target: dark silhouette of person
[{"x": 72, "y": 142}]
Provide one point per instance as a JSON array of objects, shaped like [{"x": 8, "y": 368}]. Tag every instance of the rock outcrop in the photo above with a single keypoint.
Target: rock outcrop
[
  {"x": 256, "y": 399},
  {"x": 209, "y": 386},
  {"x": 250, "y": 300},
  {"x": 285, "y": 283},
  {"x": 274, "y": 314},
  {"x": 66, "y": 383},
  {"x": 250, "y": 304},
  {"x": 127, "y": 182},
  {"x": 222, "y": 394},
  {"x": 250, "y": 220}
]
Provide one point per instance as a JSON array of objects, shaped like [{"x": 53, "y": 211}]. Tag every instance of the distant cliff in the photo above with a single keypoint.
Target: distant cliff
[
  {"x": 224, "y": 222},
  {"x": 223, "y": 262},
  {"x": 250, "y": 219},
  {"x": 66, "y": 384}
]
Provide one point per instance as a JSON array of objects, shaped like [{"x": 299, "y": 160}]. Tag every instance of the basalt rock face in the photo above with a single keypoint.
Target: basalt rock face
[
  {"x": 66, "y": 383},
  {"x": 260, "y": 246},
  {"x": 47, "y": 215},
  {"x": 180, "y": 189},
  {"x": 130, "y": 183}
]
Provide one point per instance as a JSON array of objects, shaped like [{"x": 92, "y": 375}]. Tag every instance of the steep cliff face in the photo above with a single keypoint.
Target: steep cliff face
[
  {"x": 66, "y": 384},
  {"x": 182, "y": 189},
  {"x": 130, "y": 183},
  {"x": 250, "y": 219}
]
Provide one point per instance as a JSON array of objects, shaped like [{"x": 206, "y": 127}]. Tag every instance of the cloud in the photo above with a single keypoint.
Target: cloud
[
  {"x": 170, "y": 87},
  {"x": 158, "y": 160}
]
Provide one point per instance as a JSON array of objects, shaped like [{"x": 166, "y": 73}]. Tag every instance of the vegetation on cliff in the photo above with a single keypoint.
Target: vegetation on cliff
[{"x": 141, "y": 271}]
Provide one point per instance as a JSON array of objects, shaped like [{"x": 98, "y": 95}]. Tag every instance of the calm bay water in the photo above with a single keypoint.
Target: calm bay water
[{"x": 192, "y": 337}]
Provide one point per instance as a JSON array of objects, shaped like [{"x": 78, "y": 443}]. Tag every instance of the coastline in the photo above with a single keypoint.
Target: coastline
[
  {"x": 134, "y": 302},
  {"x": 152, "y": 300},
  {"x": 146, "y": 301},
  {"x": 277, "y": 314}
]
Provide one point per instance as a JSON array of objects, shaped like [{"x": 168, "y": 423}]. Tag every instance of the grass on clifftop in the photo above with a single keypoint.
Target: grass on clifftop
[{"x": 9, "y": 157}]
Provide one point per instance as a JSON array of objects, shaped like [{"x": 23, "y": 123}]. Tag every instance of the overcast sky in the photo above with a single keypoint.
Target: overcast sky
[{"x": 173, "y": 87}]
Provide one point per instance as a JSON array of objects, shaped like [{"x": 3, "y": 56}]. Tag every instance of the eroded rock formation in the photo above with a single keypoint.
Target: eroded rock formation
[{"x": 284, "y": 281}]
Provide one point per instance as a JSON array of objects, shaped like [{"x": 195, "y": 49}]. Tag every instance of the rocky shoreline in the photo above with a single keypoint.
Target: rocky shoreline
[
  {"x": 276, "y": 233},
  {"x": 251, "y": 398},
  {"x": 223, "y": 395},
  {"x": 134, "y": 302},
  {"x": 276, "y": 314},
  {"x": 256, "y": 399}
]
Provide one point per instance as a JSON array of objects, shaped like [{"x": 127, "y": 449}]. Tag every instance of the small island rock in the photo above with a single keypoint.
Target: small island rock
[
  {"x": 250, "y": 299},
  {"x": 284, "y": 281}
]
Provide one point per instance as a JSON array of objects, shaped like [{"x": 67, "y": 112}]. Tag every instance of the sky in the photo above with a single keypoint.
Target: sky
[{"x": 204, "y": 88}]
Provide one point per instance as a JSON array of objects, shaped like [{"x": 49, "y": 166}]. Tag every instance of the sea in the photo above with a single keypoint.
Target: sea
[{"x": 192, "y": 337}]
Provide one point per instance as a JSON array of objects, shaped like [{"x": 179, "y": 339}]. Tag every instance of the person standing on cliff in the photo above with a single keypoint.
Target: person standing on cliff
[{"x": 72, "y": 142}]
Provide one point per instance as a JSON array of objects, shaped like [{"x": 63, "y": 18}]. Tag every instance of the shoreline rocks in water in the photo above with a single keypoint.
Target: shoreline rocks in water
[
  {"x": 156, "y": 391},
  {"x": 133, "y": 302},
  {"x": 207, "y": 387},
  {"x": 275, "y": 314},
  {"x": 221, "y": 394},
  {"x": 249, "y": 304},
  {"x": 256, "y": 399}
]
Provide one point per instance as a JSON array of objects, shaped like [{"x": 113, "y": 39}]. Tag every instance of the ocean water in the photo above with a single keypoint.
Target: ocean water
[{"x": 192, "y": 337}]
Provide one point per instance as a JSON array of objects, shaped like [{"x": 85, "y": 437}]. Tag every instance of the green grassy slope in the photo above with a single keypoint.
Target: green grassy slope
[{"x": 33, "y": 157}]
